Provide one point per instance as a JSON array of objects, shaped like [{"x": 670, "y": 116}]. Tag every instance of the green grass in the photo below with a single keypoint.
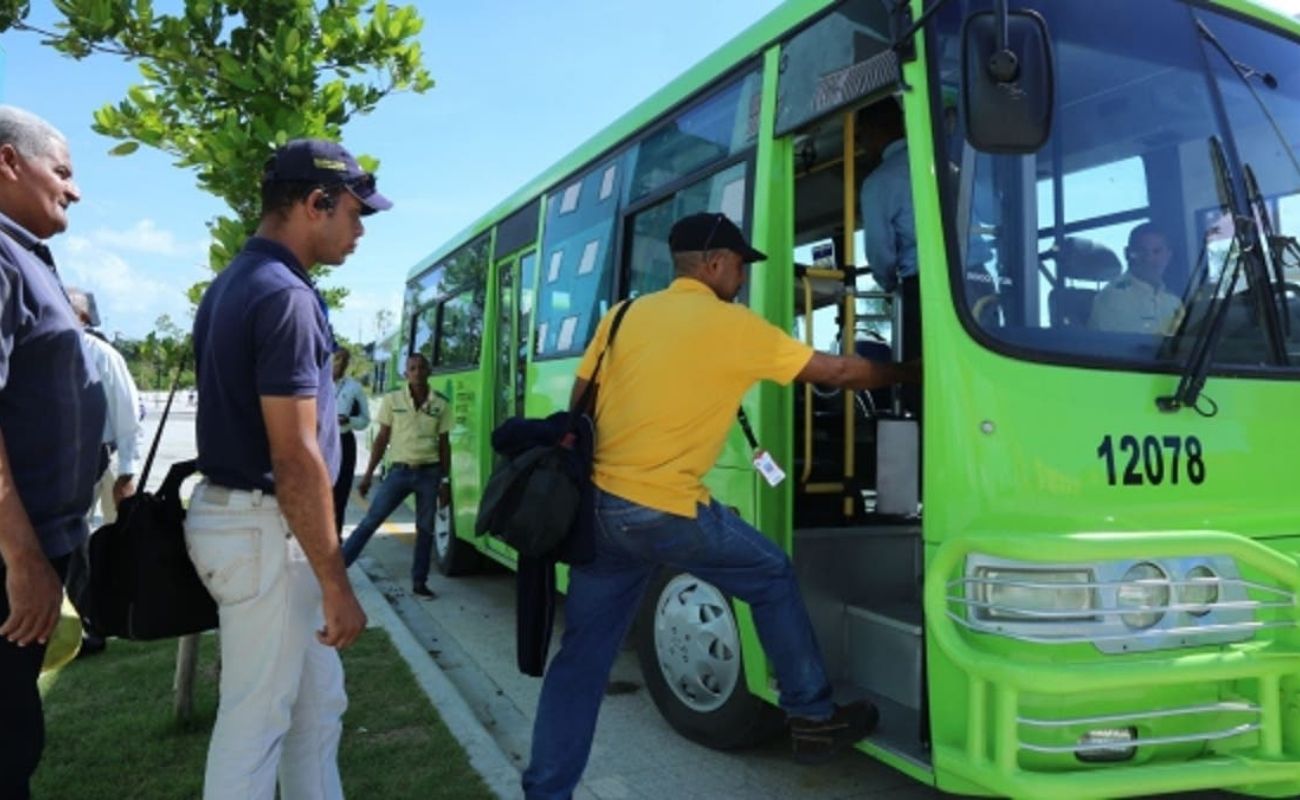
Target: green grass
[{"x": 110, "y": 730}]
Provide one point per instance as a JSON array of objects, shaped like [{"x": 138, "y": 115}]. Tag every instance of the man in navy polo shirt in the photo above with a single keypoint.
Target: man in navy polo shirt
[
  {"x": 260, "y": 526},
  {"x": 51, "y": 424}
]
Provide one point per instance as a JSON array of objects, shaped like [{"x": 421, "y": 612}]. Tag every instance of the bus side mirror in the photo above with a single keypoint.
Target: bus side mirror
[{"x": 1007, "y": 82}]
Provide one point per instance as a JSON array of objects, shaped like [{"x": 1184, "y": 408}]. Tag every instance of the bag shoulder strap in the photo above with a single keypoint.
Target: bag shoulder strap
[
  {"x": 162, "y": 423},
  {"x": 613, "y": 331}
]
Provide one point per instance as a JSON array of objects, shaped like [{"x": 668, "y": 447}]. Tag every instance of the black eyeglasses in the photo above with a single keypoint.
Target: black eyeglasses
[
  {"x": 708, "y": 240},
  {"x": 364, "y": 184}
]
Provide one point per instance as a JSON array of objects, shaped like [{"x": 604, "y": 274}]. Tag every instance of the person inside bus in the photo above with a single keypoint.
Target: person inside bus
[
  {"x": 666, "y": 399},
  {"x": 888, "y": 223},
  {"x": 1137, "y": 301}
]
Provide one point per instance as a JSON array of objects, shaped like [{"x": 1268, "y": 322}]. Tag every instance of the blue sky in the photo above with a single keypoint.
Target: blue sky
[{"x": 519, "y": 85}]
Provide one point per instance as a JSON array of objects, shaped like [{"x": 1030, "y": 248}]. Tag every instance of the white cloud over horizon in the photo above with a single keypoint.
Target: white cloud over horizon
[
  {"x": 128, "y": 296},
  {"x": 146, "y": 237}
]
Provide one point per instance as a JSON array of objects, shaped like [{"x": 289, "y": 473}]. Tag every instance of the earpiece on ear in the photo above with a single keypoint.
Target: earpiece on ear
[{"x": 324, "y": 203}]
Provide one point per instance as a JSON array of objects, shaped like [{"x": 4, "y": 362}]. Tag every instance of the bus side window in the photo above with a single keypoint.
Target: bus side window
[{"x": 575, "y": 275}]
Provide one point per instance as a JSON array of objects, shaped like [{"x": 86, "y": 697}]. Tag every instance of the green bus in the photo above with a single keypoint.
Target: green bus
[{"x": 1074, "y": 573}]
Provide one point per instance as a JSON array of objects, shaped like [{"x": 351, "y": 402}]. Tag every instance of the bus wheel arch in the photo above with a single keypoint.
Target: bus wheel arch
[{"x": 688, "y": 645}]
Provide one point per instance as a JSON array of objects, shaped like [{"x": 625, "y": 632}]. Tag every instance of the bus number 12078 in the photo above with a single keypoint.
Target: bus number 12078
[{"x": 1153, "y": 460}]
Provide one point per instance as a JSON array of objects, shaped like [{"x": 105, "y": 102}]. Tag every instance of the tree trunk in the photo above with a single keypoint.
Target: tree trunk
[{"x": 187, "y": 662}]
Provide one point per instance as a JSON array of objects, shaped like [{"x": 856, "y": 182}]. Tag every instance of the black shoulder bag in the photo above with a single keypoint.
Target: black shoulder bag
[
  {"x": 143, "y": 584},
  {"x": 532, "y": 499}
]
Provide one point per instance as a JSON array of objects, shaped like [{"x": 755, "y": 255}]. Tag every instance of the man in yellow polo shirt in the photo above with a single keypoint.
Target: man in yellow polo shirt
[
  {"x": 667, "y": 394},
  {"x": 414, "y": 421}
]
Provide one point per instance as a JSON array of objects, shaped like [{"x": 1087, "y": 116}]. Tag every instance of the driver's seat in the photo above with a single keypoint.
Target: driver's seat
[{"x": 1078, "y": 260}]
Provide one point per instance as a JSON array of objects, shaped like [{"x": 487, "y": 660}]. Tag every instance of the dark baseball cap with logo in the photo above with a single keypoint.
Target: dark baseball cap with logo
[
  {"x": 328, "y": 164},
  {"x": 710, "y": 231}
]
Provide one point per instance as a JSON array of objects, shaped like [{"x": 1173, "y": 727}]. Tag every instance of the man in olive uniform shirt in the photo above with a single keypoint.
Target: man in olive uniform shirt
[
  {"x": 415, "y": 421},
  {"x": 1137, "y": 301}
]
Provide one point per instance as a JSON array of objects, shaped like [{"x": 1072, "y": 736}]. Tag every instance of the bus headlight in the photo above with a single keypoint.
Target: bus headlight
[
  {"x": 1143, "y": 595},
  {"x": 1032, "y": 595},
  {"x": 1199, "y": 590}
]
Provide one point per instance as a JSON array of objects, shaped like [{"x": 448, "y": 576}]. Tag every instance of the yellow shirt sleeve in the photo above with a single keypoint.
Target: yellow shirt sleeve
[
  {"x": 385, "y": 414},
  {"x": 765, "y": 352}
]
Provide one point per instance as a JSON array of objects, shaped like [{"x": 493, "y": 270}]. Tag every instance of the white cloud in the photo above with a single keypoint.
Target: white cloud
[
  {"x": 146, "y": 237},
  {"x": 129, "y": 299}
]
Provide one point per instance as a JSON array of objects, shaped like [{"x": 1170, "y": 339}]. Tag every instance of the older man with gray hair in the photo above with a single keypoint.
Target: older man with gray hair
[{"x": 52, "y": 412}]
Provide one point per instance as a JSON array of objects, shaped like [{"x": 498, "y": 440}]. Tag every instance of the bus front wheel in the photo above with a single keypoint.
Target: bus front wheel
[
  {"x": 452, "y": 555},
  {"x": 688, "y": 644}
]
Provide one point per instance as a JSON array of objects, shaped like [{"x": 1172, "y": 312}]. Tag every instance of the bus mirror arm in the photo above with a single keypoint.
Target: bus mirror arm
[{"x": 1004, "y": 67}]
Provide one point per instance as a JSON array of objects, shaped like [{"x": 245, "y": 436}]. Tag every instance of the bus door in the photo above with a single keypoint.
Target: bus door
[
  {"x": 514, "y": 314},
  {"x": 857, "y": 532}
]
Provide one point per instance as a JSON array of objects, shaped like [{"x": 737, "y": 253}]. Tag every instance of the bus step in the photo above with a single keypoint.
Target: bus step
[
  {"x": 899, "y": 730},
  {"x": 882, "y": 645}
]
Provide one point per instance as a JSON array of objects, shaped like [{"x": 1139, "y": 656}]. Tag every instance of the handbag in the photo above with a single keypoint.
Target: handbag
[
  {"x": 143, "y": 584},
  {"x": 532, "y": 499}
]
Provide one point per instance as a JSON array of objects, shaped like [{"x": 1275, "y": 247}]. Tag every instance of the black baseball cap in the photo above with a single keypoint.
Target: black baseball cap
[
  {"x": 328, "y": 164},
  {"x": 710, "y": 231}
]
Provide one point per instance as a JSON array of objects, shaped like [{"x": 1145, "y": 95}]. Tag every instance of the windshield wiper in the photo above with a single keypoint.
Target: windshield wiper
[
  {"x": 1201, "y": 353},
  {"x": 1274, "y": 307}
]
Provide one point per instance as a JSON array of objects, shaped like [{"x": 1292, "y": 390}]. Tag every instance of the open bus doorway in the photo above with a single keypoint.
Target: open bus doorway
[{"x": 857, "y": 503}]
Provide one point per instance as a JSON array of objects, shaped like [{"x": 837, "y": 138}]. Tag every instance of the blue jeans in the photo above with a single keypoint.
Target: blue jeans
[
  {"x": 632, "y": 541},
  {"x": 397, "y": 485}
]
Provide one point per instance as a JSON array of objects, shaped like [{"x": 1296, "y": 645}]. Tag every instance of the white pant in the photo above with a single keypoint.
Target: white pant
[
  {"x": 104, "y": 497},
  {"x": 282, "y": 698}
]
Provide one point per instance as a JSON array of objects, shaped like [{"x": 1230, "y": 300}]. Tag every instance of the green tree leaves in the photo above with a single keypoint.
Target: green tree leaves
[{"x": 224, "y": 83}]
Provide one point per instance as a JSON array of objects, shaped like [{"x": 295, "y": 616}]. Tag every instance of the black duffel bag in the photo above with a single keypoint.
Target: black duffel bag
[
  {"x": 143, "y": 584},
  {"x": 532, "y": 499}
]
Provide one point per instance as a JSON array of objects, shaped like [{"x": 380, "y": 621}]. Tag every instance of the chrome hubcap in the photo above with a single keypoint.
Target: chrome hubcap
[{"x": 697, "y": 643}]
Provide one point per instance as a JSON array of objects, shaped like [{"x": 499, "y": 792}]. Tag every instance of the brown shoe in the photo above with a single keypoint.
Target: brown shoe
[{"x": 818, "y": 741}]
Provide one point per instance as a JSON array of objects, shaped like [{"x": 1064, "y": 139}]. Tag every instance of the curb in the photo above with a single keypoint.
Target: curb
[{"x": 485, "y": 755}]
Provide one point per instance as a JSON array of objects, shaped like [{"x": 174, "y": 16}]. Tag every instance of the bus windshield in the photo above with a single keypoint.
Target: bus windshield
[{"x": 1173, "y": 149}]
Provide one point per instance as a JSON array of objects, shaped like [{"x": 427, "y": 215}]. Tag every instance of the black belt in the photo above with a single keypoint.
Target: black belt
[{"x": 404, "y": 465}]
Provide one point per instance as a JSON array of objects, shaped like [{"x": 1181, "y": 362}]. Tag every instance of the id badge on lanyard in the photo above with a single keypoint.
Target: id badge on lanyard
[{"x": 763, "y": 461}]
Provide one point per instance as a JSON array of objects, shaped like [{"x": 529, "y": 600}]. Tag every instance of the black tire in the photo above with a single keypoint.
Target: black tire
[
  {"x": 452, "y": 555},
  {"x": 687, "y": 619}
]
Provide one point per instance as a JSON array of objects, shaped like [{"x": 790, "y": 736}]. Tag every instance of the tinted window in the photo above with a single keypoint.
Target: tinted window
[
  {"x": 461, "y": 275},
  {"x": 519, "y": 229},
  {"x": 720, "y": 126},
  {"x": 1052, "y": 257},
  {"x": 651, "y": 265},
  {"x": 424, "y": 321},
  {"x": 460, "y": 330},
  {"x": 575, "y": 277},
  {"x": 842, "y": 57}
]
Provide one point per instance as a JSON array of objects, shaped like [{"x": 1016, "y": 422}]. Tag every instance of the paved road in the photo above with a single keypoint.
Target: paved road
[{"x": 469, "y": 631}]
